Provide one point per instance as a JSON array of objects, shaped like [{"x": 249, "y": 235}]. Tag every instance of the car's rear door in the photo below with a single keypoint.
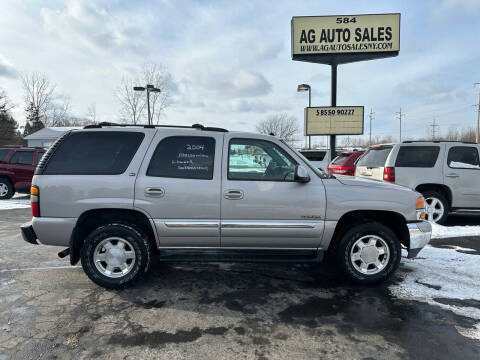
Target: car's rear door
[
  {"x": 21, "y": 163},
  {"x": 179, "y": 185},
  {"x": 372, "y": 164},
  {"x": 462, "y": 174}
]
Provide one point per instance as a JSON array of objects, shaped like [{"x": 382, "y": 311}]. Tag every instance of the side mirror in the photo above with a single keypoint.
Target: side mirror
[{"x": 301, "y": 174}]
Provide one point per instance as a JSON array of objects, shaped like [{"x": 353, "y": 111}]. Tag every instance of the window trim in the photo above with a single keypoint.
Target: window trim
[
  {"x": 180, "y": 177},
  {"x": 463, "y": 146},
  {"x": 240, "y": 138},
  {"x": 21, "y": 151},
  {"x": 420, "y": 146}
]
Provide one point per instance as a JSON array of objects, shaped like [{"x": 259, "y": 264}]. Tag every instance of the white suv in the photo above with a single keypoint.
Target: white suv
[{"x": 446, "y": 173}]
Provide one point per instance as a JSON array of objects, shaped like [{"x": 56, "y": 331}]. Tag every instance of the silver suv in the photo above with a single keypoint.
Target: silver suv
[
  {"x": 118, "y": 195},
  {"x": 446, "y": 173}
]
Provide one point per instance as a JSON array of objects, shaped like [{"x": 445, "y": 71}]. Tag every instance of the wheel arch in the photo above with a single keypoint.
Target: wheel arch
[
  {"x": 391, "y": 219},
  {"x": 443, "y": 189},
  {"x": 92, "y": 219}
]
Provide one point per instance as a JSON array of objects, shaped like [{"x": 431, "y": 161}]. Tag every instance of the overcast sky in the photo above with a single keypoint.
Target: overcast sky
[{"x": 230, "y": 61}]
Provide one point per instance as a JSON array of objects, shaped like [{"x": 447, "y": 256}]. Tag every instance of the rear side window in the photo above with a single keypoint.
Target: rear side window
[
  {"x": 375, "y": 157},
  {"x": 417, "y": 156},
  {"x": 22, "y": 158},
  {"x": 314, "y": 156},
  {"x": 463, "y": 157},
  {"x": 340, "y": 159},
  {"x": 94, "y": 153},
  {"x": 186, "y": 157},
  {"x": 3, "y": 154}
]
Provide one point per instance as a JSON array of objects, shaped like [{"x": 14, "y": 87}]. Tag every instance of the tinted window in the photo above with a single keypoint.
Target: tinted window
[
  {"x": 463, "y": 157},
  {"x": 250, "y": 159},
  {"x": 314, "y": 156},
  {"x": 375, "y": 157},
  {"x": 22, "y": 158},
  {"x": 417, "y": 156},
  {"x": 187, "y": 157},
  {"x": 339, "y": 160},
  {"x": 94, "y": 153},
  {"x": 3, "y": 154}
]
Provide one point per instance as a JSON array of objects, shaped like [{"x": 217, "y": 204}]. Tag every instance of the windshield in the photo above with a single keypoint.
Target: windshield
[
  {"x": 375, "y": 157},
  {"x": 322, "y": 174}
]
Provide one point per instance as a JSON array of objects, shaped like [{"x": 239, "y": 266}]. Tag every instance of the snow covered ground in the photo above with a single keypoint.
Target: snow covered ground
[
  {"x": 445, "y": 278},
  {"x": 439, "y": 231},
  {"x": 17, "y": 202}
]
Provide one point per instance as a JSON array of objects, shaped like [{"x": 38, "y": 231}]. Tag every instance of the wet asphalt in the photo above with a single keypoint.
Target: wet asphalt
[{"x": 215, "y": 311}]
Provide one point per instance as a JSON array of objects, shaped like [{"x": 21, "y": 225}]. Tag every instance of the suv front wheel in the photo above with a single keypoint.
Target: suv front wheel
[
  {"x": 369, "y": 253},
  {"x": 115, "y": 255}
]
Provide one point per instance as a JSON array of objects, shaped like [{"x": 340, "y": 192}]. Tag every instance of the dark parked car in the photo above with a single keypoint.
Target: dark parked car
[
  {"x": 17, "y": 165},
  {"x": 344, "y": 163}
]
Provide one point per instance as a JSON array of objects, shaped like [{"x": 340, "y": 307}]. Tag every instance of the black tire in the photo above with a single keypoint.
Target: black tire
[
  {"x": 431, "y": 194},
  {"x": 5, "y": 182},
  {"x": 348, "y": 240},
  {"x": 137, "y": 239}
]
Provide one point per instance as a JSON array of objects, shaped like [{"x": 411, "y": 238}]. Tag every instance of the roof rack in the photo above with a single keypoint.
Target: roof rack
[
  {"x": 438, "y": 141},
  {"x": 194, "y": 126}
]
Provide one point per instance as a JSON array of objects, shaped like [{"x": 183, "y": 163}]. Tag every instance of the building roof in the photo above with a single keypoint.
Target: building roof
[{"x": 50, "y": 132}]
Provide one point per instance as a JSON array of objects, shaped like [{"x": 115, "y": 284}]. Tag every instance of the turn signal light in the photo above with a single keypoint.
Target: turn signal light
[
  {"x": 420, "y": 208},
  {"x": 35, "y": 201}
]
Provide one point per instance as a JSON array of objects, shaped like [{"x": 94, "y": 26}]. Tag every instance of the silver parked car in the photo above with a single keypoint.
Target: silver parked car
[
  {"x": 117, "y": 195},
  {"x": 446, "y": 173}
]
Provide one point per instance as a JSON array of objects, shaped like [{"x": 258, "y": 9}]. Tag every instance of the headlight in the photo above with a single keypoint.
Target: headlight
[{"x": 420, "y": 208}]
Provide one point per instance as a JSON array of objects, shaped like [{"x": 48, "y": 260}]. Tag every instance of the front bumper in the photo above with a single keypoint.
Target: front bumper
[
  {"x": 420, "y": 235},
  {"x": 28, "y": 233}
]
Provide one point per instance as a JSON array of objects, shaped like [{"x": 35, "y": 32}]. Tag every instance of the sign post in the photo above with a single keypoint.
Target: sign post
[{"x": 340, "y": 39}]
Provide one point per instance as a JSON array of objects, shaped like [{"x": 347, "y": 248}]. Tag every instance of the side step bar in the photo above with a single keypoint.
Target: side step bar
[{"x": 199, "y": 255}]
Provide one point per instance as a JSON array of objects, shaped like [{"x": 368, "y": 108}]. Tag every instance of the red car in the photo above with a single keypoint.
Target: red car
[
  {"x": 17, "y": 165},
  {"x": 344, "y": 163}
]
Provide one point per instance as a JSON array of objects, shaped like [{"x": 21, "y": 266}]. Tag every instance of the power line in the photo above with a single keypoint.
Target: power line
[{"x": 434, "y": 128}]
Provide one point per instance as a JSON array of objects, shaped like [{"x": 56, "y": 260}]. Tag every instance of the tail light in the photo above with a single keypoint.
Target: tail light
[
  {"x": 341, "y": 170},
  {"x": 389, "y": 174},
  {"x": 35, "y": 201}
]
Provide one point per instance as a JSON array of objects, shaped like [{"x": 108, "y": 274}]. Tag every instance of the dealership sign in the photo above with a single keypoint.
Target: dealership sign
[
  {"x": 334, "y": 120},
  {"x": 345, "y": 38}
]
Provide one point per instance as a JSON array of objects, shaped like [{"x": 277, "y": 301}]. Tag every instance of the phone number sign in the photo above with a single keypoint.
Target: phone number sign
[
  {"x": 338, "y": 120},
  {"x": 345, "y": 38}
]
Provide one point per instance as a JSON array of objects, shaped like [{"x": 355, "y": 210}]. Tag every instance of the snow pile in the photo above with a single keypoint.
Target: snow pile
[
  {"x": 19, "y": 203},
  {"x": 439, "y": 231},
  {"x": 446, "y": 274}
]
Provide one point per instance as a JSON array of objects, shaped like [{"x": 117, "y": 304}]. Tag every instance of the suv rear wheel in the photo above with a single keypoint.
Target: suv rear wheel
[
  {"x": 6, "y": 189},
  {"x": 436, "y": 206},
  {"x": 369, "y": 253},
  {"x": 115, "y": 255}
]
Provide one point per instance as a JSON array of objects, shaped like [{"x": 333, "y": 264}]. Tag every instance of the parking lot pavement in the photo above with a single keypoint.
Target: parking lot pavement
[{"x": 252, "y": 311}]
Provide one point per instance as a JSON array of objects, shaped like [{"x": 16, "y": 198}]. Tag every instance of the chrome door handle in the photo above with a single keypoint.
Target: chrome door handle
[
  {"x": 154, "y": 192},
  {"x": 233, "y": 194},
  {"x": 452, "y": 175}
]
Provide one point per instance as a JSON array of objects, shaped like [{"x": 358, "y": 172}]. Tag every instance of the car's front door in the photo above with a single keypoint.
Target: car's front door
[
  {"x": 178, "y": 185},
  {"x": 462, "y": 174},
  {"x": 262, "y": 205}
]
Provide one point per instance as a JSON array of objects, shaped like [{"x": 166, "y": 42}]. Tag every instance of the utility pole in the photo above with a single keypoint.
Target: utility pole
[
  {"x": 400, "y": 118},
  {"x": 477, "y": 137},
  {"x": 371, "y": 116},
  {"x": 149, "y": 88},
  {"x": 434, "y": 130}
]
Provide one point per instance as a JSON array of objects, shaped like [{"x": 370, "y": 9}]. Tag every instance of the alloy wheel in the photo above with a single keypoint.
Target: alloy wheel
[
  {"x": 434, "y": 209},
  {"x": 114, "y": 257},
  {"x": 370, "y": 254}
]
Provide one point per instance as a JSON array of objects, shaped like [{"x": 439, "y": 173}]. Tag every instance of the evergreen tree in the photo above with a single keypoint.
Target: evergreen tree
[{"x": 34, "y": 121}]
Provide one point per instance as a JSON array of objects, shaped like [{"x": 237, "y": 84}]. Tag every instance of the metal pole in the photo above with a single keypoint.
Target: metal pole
[
  {"x": 148, "y": 105},
  {"x": 478, "y": 117},
  {"x": 309, "y": 105},
  {"x": 334, "y": 103}
]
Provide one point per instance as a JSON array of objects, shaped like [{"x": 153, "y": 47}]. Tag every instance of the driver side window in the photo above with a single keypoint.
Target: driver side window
[{"x": 260, "y": 160}]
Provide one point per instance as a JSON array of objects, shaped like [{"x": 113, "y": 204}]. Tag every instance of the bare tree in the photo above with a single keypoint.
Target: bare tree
[
  {"x": 158, "y": 76},
  {"x": 92, "y": 113},
  {"x": 38, "y": 96},
  {"x": 58, "y": 112},
  {"x": 132, "y": 103},
  {"x": 281, "y": 125}
]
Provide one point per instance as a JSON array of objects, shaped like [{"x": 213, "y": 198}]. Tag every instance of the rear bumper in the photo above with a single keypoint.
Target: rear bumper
[
  {"x": 420, "y": 235},
  {"x": 28, "y": 233}
]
